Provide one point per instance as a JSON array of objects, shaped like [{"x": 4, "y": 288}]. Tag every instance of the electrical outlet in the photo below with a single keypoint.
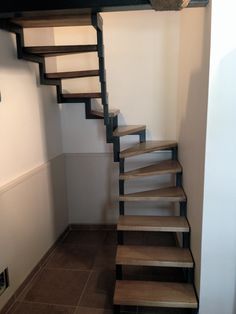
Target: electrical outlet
[{"x": 4, "y": 281}]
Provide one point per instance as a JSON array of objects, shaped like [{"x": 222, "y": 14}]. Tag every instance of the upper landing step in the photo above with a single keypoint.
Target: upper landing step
[
  {"x": 54, "y": 21},
  {"x": 13, "y": 8},
  {"x": 163, "y": 5},
  {"x": 147, "y": 147}
]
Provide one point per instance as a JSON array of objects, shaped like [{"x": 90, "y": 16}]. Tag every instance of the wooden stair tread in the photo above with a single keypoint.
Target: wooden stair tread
[
  {"x": 153, "y": 256},
  {"x": 81, "y": 95},
  {"x": 128, "y": 129},
  {"x": 54, "y": 21},
  {"x": 156, "y": 294},
  {"x": 171, "y": 194},
  {"x": 153, "y": 223},
  {"x": 74, "y": 74},
  {"x": 147, "y": 147},
  {"x": 112, "y": 113},
  {"x": 162, "y": 167},
  {"x": 52, "y": 51}
]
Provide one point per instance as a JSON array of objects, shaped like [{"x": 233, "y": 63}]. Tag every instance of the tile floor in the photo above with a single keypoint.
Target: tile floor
[{"x": 79, "y": 276}]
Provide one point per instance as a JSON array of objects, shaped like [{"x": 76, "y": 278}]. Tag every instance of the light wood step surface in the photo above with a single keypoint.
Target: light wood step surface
[
  {"x": 54, "y": 21},
  {"x": 53, "y": 51},
  {"x": 128, "y": 129},
  {"x": 153, "y": 256},
  {"x": 112, "y": 113},
  {"x": 155, "y": 294},
  {"x": 153, "y": 223},
  {"x": 74, "y": 74},
  {"x": 147, "y": 147},
  {"x": 171, "y": 194},
  {"x": 162, "y": 167}
]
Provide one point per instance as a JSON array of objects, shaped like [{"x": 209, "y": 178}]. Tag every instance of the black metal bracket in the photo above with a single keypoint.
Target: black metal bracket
[
  {"x": 117, "y": 309},
  {"x": 179, "y": 179},
  {"x": 175, "y": 153},
  {"x": 119, "y": 274}
]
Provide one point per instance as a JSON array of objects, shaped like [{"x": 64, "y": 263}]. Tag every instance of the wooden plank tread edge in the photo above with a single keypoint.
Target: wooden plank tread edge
[
  {"x": 147, "y": 147},
  {"x": 170, "y": 194},
  {"x": 162, "y": 167},
  {"x": 128, "y": 129},
  {"x": 156, "y": 294},
  {"x": 81, "y": 95},
  {"x": 54, "y": 20},
  {"x": 73, "y": 74},
  {"x": 51, "y": 51},
  {"x": 112, "y": 112},
  {"x": 154, "y": 256},
  {"x": 153, "y": 223}
]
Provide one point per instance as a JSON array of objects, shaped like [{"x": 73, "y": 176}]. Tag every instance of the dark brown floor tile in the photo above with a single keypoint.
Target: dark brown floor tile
[
  {"x": 85, "y": 237},
  {"x": 92, "y": 227},
  {"x": 105, "y": 257},
  {"x": 99, "y": 290},
  {"x": 111, "y": 238},
  {"x": 31, "y": 308},
  {"x": 72, "y": 257},
  {"x": 84, "y": 310},
  {"x": 58, "y": 287}
]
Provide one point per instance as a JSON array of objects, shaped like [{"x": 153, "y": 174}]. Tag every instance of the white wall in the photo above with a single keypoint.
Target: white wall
[
  {"x": 192, "y": 105},
  {"x": 141, "y": 50},
  {"x": 141, "y": 53},
  {"x": 30, "y": 131},
  {"x": 92, "y": 185},
  {"x": 218, "y": 277},
  {"x": 33, "y": 204}
]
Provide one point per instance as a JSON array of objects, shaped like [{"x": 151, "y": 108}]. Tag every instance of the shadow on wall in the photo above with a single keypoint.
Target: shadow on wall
[
  {"x": 234, "y": 309},
  {"x": 218, "y": 274},
  {"x": 193, "y": 99},
  {"x": 8, "y": 53},
  {"x": 221, "y": 151},
  {"x": 35, "y": 130}
]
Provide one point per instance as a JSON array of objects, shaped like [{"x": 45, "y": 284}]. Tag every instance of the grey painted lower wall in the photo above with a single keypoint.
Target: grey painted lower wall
[
  {"x": 33, "y": 211},
  {"x": 92, "y": 187}
]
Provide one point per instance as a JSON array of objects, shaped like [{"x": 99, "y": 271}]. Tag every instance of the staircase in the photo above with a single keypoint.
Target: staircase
[{"x": 163, "y": 294}]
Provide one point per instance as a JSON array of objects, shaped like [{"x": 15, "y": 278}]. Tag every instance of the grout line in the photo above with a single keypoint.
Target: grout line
[
  {"x": 83, "y": 291},
  {"x": 70, "y": 269},
  {"x": 44, "y": 303},
  {"x": 16, "y": 298},
  {"x": 27, "y": 287},
  {"x": 12, "y": 305},
  {"x": 53, "y": 253}
]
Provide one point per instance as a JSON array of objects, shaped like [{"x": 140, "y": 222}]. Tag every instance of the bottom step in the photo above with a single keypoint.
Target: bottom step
[{"x": 155, "y": 294}]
